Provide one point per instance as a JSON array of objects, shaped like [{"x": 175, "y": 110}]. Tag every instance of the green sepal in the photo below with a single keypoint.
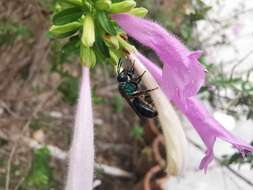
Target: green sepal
[
  {"x": 72, "y": 46},
  {"x": 105, "y": 23},
  {"x": 73, "y": 2},
  {"x": 60, "y": 36},
  {"x": 88, "y": 57},
  {"x": 65, "y": 30},
  {"x": 67, "y": 16},
  {"x": 101, "y": 47},
  {"x": 125, "y": 45},
  {"x": 115, "y": 56},
  {"x": 141, "y": 12},
  {"x": 122, "y": 7},
  {"x": 114, "y": 59},
  {"x": 111, "y": 41},
  {"x": 100, "y": 58}
]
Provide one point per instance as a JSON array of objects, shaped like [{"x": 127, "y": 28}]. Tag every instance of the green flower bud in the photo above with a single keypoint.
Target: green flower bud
[
  {"x": 123, "y": 6},
  {"x": 113, "y": 57},
  {"x": 74, "y": 2},
  {"x": 88, "y": 36},
  {"x": 141, "y": 12},
  {"x": 88, "y": 57},
  {"x": 58, "y": 7},
  {"x": 111, "y": 41},
  {"x": 61, "y": 29},
  {"x": 103, "y": 4}
]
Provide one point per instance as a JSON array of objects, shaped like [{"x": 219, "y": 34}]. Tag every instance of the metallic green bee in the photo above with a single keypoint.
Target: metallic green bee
[{"x": 129, "y": 85}]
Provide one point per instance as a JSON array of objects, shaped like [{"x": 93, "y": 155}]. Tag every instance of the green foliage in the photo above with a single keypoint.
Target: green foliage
[
  {"x": 35, "y": 124},
  {"x": 63, "y": 53},
  {"x": 10, "y": 31},
  {"x": 199, "y": 11},
  {"x": 67, "y": 15},
  {"x": 137, "y": 132},
  {"x": 48, "y": 4},
  {"x": 118, "y": 104},
  {"x": 178, "y": 21},
  {"x": 101, "y": 50},
  {"x": 3, "y": 142},
  {"x": 105, "y": 23},
  {"x": 240, "y": 91},
  {"x": 237, "y": 158},
  {"x": 41, "y": 122},
  {"x": 97, "y": 99},
  {"x": 69, "y": 89},
  {"x": 40, "y": 175},
  {"x": 99, "y": 173}
]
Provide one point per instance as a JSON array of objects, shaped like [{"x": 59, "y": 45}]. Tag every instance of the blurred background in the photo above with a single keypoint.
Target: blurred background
[{"x": 39, "y": 89}]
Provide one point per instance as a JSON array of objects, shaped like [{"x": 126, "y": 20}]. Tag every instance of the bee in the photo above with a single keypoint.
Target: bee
[{"x": 129, "y": 88}]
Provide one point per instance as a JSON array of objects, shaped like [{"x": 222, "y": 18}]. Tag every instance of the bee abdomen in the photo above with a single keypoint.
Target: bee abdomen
[{"x": 144, "y": 109}]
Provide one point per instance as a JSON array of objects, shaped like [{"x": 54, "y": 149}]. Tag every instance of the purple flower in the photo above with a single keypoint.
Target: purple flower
[
  {"x": 81, "y": 164},
  {"x": 181, "y": 78},
  {"x": 174, "y": 136},
  {"x": 180, "y": 64}
]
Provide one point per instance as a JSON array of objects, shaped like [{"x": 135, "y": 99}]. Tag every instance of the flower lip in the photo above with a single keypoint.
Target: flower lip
[
  {"x": 182, "y": 64},
  {"x": 207, "y": 127}
]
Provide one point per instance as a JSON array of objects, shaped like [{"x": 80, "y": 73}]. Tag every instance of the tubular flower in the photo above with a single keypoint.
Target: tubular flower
[
  {"x": 81, "y": 164},
  {"x": 181, "y": 78},
  {"x": 175, "y": 140}
]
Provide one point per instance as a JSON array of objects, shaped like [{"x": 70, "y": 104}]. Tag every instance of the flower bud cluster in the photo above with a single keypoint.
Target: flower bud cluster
[{"x": 89, "y": 20}]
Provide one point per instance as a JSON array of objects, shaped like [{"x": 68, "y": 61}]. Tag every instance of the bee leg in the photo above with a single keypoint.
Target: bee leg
[
  {"x": 139, "y": 93},
  {"x": 138, "y": 79},
  {"x": 148, "y": 99}
]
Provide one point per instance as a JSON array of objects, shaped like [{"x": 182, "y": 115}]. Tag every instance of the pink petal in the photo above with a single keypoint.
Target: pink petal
[
  {"x": 207, "y": 127},
  {"x": 81, "y": 164},
  {"x": 181, "y": 69},
  {"x": 181, "y": 78}
]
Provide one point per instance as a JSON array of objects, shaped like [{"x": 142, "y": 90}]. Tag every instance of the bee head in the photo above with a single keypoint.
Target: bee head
[{"x": 122, "y": 77}]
